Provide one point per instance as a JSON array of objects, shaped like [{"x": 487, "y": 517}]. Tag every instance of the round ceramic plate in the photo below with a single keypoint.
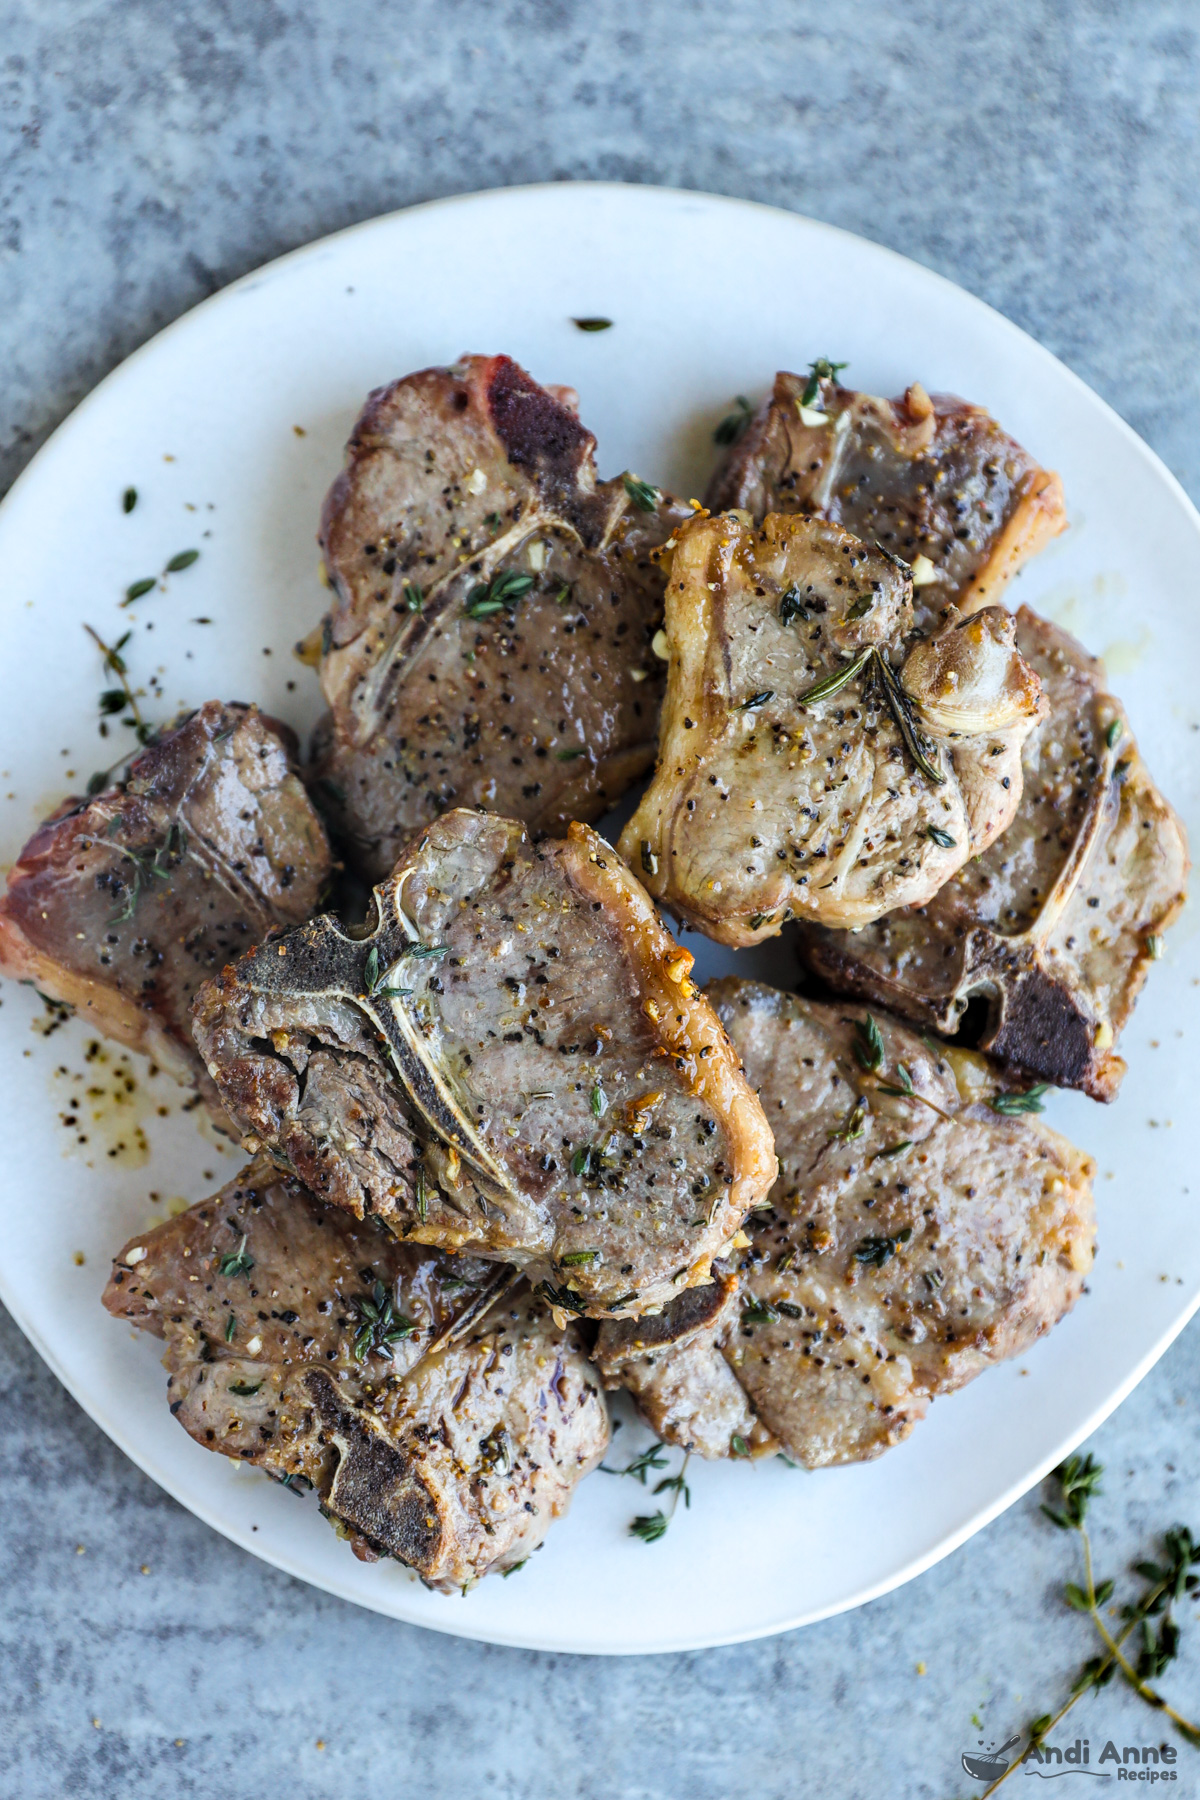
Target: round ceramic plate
[{"x": 230, "y": 425}]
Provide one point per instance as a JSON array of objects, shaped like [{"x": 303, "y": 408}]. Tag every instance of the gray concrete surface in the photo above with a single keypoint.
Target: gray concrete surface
[{"x": 1043, "y": 155}]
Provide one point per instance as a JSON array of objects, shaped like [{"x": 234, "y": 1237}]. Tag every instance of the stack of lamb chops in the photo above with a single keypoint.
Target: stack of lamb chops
[{"x": 504, "y": 1151}]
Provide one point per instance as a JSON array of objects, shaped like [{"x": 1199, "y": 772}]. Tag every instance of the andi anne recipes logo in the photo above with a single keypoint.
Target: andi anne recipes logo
[{"x": 1146, "y": 1763}]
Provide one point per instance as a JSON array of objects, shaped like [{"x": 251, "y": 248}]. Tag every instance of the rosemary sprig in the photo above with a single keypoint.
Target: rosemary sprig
[
  {"x": 381, "y": 1325},
  {"x": 895, "y": 699},
  {"x": 829, "y": 685},
  {"x": 734, "y": 424},
  {"x": 1170, "y": 1581}
]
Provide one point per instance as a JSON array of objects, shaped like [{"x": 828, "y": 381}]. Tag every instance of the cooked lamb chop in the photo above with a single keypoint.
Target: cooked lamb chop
[
  {"x": 511, "y": 1059},
  {"x": 932, "y": 479},
  {"x": 489, "y": 643},
  {"x": 1052, "y": 930},
  {"x": 122, "y": 904},
  {"x": 914, "y": 1236},
  {"x": 442, "y": 1416},
  {"x": 812, "y": 763}
]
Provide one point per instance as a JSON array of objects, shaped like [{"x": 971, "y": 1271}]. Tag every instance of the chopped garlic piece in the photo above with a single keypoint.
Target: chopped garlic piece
[
  {"x": 476, "y": 482},
  {"x": 810, "y": 416},
  {"x": 537, "y": 555},
  {"x": 660, "y": 646},
  {"x": 923, "y": 571},
  {"x": 135, "y": 1256}
]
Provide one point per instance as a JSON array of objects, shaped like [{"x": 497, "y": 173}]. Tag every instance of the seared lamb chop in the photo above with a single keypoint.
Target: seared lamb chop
[
  {"x": 915, "y": 1235},
  {"x": 443, "y": 1417},
  {"x": 489, "y": 643},
  {"x": 930, "y": 478},
  {"x": 812, "y": 763},
  {"x": 122, "y": 904},
  {"x": 511, "y": 1060},
  {"x": 1053, "y": 928}
]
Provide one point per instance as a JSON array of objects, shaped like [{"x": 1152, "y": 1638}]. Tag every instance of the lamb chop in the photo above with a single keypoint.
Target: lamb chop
[
  {"x": 915, "y": 1235},
  {"x": 509, "y": 1060},
  {"x": 121, "y": 904},
  {"x": 1050, "y": 932},
  {"x": 494, "y": 604},
  {"x": 930, "y": 478},
  {"x": 815, "y": 761},
  {"x": 440, "y": 1413}
]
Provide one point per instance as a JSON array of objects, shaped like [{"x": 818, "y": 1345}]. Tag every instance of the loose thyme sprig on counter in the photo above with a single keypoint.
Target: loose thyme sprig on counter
[
  {"x": 1170, "y": 1580},
  {"x": 651, "y": 1526}
]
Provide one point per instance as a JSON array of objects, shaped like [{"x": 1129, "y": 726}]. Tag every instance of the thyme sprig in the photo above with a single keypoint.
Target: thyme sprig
[
  {"x": 183, "y": 559},
  {"x": 381, "y": 1326},
  {"x": 236, "y": 1262},
  {"x": 150, "y": 864},
  {"x": 649, "y": 1527},
  {"x": 118, "y": 699},
  {"x": 1170, "y": 1581}
]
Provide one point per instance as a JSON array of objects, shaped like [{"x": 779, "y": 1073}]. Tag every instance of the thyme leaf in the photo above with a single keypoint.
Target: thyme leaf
[
  {"x": 500, "y": 594},
  {"x": 756, "y": 700},
  {"x": 820, "y": 370},
  {"x": 129, "y": 499},
  {"x": 941, "y": 837},
  {"x": 1013, "y": 1105},
  {"x": 868, "y": 1044},
  {"x": 734, "y": 424},
  {"x": 791, "y": 606},
  {"x": 596, "y": 324},
  {"x": 236, "y": 1262},
  {"x": 381, "y": 1326},
  {"x": 650, "y": 1526},
  {"x": 874, "y": 1252},
  {"x": 644, "y": 497}
]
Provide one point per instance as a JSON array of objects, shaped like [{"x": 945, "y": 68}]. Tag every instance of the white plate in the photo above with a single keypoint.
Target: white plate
[{"x": 709, "y": 298}]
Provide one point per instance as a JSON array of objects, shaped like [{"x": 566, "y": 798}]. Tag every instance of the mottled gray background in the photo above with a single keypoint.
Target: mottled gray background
[{"x": 1043, "y": 155}]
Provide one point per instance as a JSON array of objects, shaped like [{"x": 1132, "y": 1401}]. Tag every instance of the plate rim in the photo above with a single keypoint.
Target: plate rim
[{"x": 199, "y": 1507}]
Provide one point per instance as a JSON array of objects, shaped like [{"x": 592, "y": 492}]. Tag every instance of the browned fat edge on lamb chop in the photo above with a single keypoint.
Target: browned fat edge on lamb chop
[
  {"x": 441, "y": 1414},
  {"x": 1052, "y": 929},
  {"x": 509, "y": 1059},
  {"x": 489, "y": 642},
  {"x": 817, "y": 759},
  {"x": 914, "y": 1237},
  {"x": 121, "y": 904},
  {"x": 930, "y": 478}
]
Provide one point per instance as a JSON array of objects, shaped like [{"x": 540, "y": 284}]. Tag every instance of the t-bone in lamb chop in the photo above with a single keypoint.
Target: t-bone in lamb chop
[
  {"x": 930, "y": 478},
  {"x": 915, "y": 1235},
  {"x": 509, "y": 1060},
  {"x": 442, "y": 1416},
  {"x": 1052, "y": 929},
  {"x": 122, "y": 904},
  {"x": 489, "y": 642},
  {"x": 816, "y": 761}
]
